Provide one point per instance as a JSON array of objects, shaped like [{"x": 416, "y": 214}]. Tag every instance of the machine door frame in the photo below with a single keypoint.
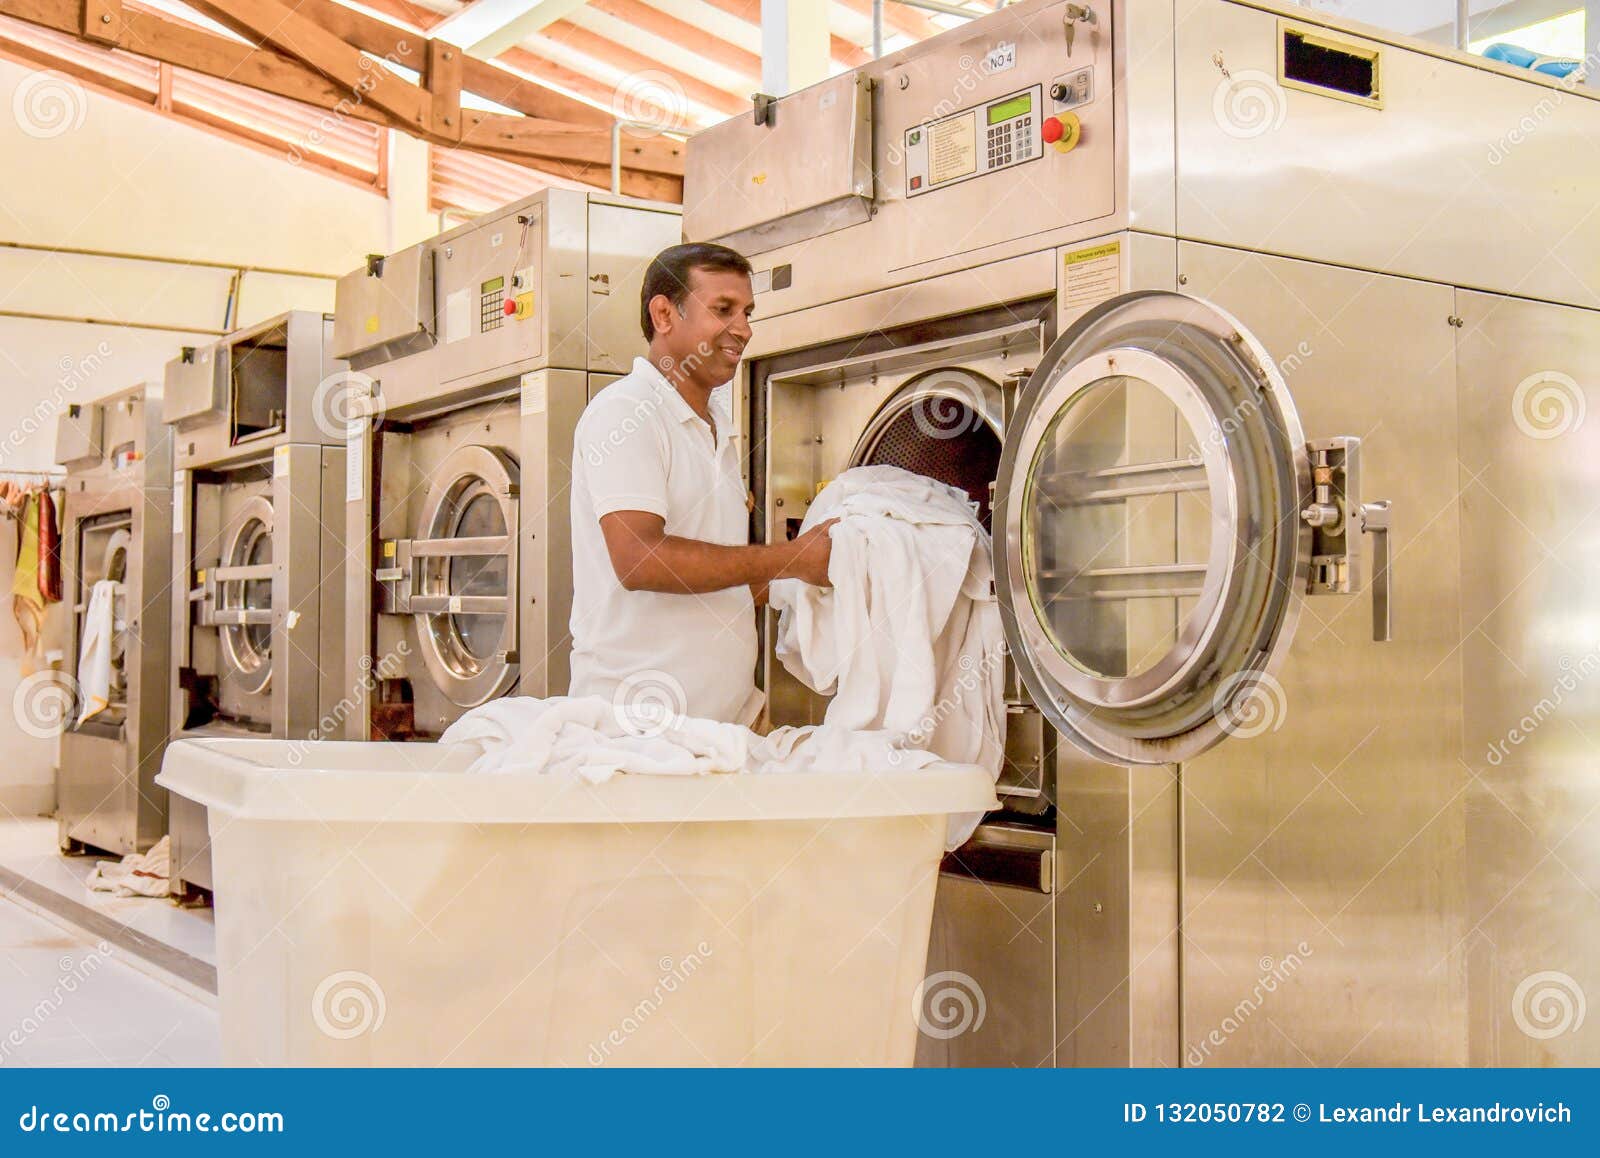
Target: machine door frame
[
  {"x": 418, "y": 581},
  {"x": 1249, "y": 465}
]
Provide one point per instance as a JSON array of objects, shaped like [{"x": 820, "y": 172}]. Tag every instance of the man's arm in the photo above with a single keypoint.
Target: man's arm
[{"x": 646, "y": 558}]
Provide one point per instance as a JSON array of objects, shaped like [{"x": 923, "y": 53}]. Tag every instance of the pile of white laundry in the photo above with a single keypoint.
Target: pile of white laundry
[
  {"x": 907, "y": 640},
  {"x": 594, "y": 738}
]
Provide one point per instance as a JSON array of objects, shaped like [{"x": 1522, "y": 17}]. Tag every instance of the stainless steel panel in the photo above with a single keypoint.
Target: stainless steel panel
[
  {"x": 621, "y": 241},
  {"x": 1328, "y": 833},
  {"x": 193, "y": 391},
  {"x": 805, "y": 171},
  {"x": 1459, "y": 177},
  {"x": 910, "y": 238},
  {"x": 1532, "y": 705},
  {"x": 386, "y": 309},
  {"x": 78, "y": 442},
  {"x": 987, "y": 997}
]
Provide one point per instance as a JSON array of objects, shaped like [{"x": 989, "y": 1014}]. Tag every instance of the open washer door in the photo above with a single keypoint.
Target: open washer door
[{"x": 1151, "y": 537}]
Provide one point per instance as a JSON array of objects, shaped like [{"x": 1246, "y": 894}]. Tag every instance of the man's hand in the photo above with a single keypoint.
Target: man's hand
[{"x": 812, "y": 550}]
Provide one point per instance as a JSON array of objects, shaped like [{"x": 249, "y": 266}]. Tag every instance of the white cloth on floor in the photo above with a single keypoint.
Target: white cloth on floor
[
  {"x": 137, "y": 874},
  {"x": 94, "y": 656},
  {"x": 596, "y": 739},
  {"x": 908, "y": 638}
]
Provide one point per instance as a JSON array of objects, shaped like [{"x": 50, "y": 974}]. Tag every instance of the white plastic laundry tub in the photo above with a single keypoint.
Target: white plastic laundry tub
[{"x": 376, "y": 904}]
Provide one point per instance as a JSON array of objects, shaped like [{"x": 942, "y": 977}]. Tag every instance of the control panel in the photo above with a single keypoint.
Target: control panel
[{"x": 997, "y": 134}]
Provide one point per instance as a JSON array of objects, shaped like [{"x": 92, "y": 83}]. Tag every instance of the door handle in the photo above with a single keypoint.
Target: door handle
[
  {"x": 1336, "y": 514},
  {"x": 1375, "y": 522}
]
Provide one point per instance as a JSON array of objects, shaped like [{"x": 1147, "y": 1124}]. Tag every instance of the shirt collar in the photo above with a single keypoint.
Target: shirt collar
[{"x": 674, "y": 401}]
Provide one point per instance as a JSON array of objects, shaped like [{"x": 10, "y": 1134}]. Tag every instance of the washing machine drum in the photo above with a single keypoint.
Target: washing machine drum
[
  {"x": 945, "y": 424},
  {"x": 464, "y": 560},
  {"x": 247, "y": 597}
]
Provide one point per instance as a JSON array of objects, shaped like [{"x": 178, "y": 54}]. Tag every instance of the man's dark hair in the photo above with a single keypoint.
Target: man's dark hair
[{"x": 669, "y": 274}]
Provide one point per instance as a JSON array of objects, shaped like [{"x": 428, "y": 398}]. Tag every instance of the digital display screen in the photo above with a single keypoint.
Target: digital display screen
[
  {"x": 494, "y": 283},
  {"x": 1014, "y": 107}
]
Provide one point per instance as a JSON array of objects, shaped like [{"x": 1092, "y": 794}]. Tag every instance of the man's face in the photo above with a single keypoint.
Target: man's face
[{"x": 709, "y": 339}]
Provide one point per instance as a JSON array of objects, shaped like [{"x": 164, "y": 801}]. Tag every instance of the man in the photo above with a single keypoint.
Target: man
[{"x": 665, "y": 581}]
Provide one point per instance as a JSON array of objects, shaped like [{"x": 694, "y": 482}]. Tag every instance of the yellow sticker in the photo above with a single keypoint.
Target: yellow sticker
[
  {"x": 759, "y": 179},
  {"x": 1091, "y": 275},
  {"x": 199, "y": 576},
  {"x": 372, "y": 324},
  {"x": 388, "y": 550}
]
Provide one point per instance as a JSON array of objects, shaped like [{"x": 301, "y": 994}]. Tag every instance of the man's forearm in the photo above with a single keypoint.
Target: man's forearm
[{"x": 690, "y": 567}]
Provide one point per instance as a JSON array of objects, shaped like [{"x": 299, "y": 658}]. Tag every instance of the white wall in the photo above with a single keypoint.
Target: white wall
[{"x": 104, "y": 174}]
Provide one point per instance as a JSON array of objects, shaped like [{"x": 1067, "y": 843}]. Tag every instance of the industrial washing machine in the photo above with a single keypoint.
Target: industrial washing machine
[
  {"x": 257, "y": 580},
  {"x": 117, "y": 527},
  {"x": 473, "y": 354},
  {"x": 1218, "y": 297}
]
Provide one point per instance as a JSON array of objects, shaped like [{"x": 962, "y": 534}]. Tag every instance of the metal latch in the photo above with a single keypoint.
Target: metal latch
[{"x": 1336, "y": 507}]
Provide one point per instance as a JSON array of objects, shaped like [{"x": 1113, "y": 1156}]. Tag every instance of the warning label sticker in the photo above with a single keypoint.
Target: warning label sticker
[{"x": 1091, "y": 276}]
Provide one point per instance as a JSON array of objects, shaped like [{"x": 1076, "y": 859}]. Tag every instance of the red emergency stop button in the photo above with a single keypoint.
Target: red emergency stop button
[
  {"x": 510, "y": 308},
  {"x": 1052, "y": 130}
]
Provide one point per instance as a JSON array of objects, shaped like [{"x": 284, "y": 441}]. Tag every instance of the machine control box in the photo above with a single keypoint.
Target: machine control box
[{"x": 997, "y": 134}]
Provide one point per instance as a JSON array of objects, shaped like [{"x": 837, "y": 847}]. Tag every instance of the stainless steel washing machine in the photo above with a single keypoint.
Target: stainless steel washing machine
[
  {"x": 1151, "y": 253},
  {"x": 257, "y": 580},
  {"x": 116, "y": 526},
  {"x": 476, "y": 352}
]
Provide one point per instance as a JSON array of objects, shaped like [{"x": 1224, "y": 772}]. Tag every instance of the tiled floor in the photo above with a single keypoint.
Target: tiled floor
[
  {"x": 66, "y": 1001},
  {"x": 67, "y": 998},
  {"x": 28, "y": 847}
]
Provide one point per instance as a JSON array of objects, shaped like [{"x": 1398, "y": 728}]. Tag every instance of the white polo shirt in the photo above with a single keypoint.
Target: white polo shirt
[{"x": 640, "y": 447}]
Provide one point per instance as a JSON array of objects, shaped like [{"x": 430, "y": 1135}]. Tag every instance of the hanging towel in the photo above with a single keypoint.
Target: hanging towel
[
  {"x": 99, "y": 637},
  {"x": 137, "y": 874},
  {"x": 27, "y": 603},
  {"x": 49, "y": 549},
  {"x": 908, "y": 637}
]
